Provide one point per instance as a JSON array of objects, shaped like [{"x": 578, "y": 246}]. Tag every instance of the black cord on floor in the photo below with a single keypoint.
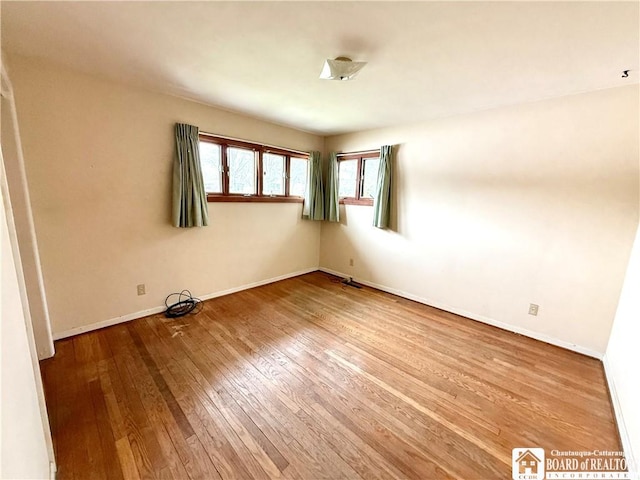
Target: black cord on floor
[
  {"x": 345, "y": 282},
  {"x": 186, "y": 304}
]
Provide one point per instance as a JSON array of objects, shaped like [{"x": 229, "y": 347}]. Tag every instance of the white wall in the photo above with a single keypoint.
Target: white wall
[
  {"x": 98, "y": 157},
  {"x": 24, "y": 451},
  {"x": 622, "y": 360},
  {"x": 536, "y": 203}
]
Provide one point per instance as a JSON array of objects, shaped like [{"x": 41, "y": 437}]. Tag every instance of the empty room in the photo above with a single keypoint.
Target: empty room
[{"x": 320, "y": 240}]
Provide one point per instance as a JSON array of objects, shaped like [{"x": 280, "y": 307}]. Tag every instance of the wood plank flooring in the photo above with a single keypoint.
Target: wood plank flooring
[{"x": 308, "y": 379}]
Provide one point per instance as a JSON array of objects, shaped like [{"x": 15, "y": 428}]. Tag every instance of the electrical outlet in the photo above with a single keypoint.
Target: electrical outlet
[
  {"x": 351, "y": 262},
  {"x": 141, "y": 289},
  {"x": 533, "y": 309}
]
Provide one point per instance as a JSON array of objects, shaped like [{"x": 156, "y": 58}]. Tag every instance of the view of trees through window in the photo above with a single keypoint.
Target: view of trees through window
[
  {"x": 211, "y": 163},
  {"x": 242, "y": 170},
  {"x": 298, "y": 176},
  {"x": 273, "y": 172},
  {"x": 233, "y": 168},
  {"x": 347, "y": 178},
  {"x": 370, "y": 177}
]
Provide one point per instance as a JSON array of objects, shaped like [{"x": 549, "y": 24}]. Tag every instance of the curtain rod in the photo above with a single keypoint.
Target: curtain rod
[
  {"x": 363, "y": 152},
  {"x": 207, "y": 134}
]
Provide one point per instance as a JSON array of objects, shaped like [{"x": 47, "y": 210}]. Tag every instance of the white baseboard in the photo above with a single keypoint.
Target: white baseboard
[
  {"x": 152, "y": 311},
  {"x": 107, "y": 323},
  {"x": 496, "y": 323},
  {"x": 258, "y": 284},
  {"x": 622, "y": 429}
]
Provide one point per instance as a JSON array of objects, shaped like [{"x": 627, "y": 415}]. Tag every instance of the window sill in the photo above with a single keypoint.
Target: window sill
[
  {"x": 357, "y": 201},
  {"x": 212, "y": 198}
]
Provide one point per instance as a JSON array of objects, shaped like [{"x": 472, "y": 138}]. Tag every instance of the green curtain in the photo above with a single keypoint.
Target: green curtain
[
  {"x": 314, "y": 198},
  {"x": 189, "y": 198},
  {"x": 331, "y": 208},
  {"x": 382, "y": 199}
]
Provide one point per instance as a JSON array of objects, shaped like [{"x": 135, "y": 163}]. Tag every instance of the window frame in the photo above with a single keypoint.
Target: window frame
[
  {"x": 259, "y": 150},
  {"x": 360, "y": 157}
]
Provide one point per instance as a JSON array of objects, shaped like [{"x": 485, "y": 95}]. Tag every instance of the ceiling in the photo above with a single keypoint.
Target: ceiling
[{"x": 425, "y": 59}]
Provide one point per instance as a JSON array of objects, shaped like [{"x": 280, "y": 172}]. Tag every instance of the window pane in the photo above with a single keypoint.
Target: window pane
[
  {"x": 242, "y": 170},
  {"x": 298, "y": 180},
  {"x": 347, "y": 174},
  {"x": 272, "y": 174},
  {"x": 211, "y": 164},
  {"x": 370, "y": 177}
]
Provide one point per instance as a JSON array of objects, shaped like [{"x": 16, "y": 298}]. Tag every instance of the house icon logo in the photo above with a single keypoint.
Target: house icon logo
[{"x": 527, "y": 463}]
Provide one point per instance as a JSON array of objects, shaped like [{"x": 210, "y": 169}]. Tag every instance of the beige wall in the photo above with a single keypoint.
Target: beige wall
[
  {"x": 536, "y": 203},
  {"x": 98, "y": 158},
  {"x": 21, "y": 205}
]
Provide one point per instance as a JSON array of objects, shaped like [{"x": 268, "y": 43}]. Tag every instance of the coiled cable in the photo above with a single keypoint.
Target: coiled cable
[{"x": 186, "y": 303}]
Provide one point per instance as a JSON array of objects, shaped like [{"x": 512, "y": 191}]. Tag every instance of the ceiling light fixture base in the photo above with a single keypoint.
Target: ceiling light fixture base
[{"x": 341, "y": 68}]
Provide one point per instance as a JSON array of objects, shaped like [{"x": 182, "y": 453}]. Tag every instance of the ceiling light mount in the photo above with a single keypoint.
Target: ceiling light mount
[{"x": 342, "y": 68}]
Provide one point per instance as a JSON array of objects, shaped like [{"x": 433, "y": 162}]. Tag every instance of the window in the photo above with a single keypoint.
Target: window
[
  {"x": 369, "y": 176},
  {"x": 211, "y": 162},
  {"x": 298, "y": 176},
  {"x": 347, "y": 178},
  {"x": 357, "y": 177},
  {"x": 236, "y": 171}
]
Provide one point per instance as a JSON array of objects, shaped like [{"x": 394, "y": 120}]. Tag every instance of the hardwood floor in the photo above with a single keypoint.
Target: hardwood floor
[{"x": 306, "y": 379}]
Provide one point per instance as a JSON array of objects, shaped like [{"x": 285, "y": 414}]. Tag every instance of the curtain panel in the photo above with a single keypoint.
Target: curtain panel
[
  {"x": 189, "y": 198},
  {"x": 382, "y": 199},
  {"x": 314, "y": 199},
  {"x": 331, "y": 209}
]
